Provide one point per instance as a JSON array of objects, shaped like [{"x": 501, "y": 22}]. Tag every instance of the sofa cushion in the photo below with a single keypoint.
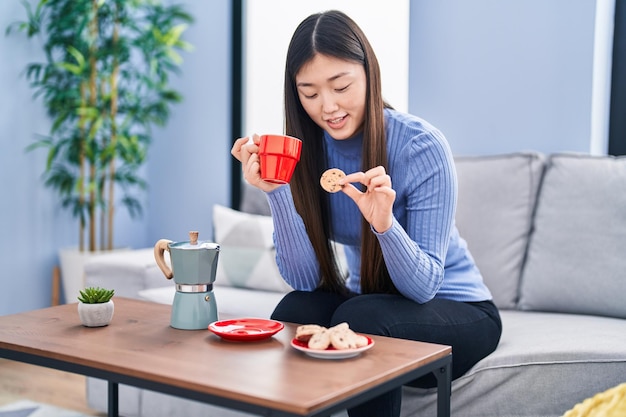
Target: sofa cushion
[
  {"x": 247, "y": 255},
  {"x": 496, "y": 200},
  {"x": 253, "y": 200},
  {"x": 545, "y": 363},
  {"x": 127, "y": 272},
  {"x": 576, "y": 261}
]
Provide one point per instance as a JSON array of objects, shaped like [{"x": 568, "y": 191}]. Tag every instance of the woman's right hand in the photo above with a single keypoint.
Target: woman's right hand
[{"x": 246, "y": 151}]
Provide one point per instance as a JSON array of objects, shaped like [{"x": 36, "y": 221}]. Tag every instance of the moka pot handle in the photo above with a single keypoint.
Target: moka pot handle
[{"x": 159, "y": 248}]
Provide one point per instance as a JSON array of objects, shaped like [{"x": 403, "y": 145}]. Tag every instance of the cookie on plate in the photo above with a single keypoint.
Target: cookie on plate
[
  {"x": 320, "y": 340},
  {"x": 306, "y": 331},
  {"x": 342, "y": 337}
]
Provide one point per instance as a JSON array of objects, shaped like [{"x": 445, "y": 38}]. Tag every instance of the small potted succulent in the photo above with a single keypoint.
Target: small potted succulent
[{"x": 95, "y": 307}]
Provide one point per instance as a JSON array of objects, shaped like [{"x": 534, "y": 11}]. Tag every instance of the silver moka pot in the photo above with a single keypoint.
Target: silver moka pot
[{"x": 194, "y": 264}]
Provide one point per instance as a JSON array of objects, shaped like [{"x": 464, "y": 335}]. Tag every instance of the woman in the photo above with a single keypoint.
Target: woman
[{"x": 411, "y": 275}]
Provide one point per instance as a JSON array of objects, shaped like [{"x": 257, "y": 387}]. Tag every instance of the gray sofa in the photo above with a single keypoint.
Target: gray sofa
[{"x": 548, "y": 233}]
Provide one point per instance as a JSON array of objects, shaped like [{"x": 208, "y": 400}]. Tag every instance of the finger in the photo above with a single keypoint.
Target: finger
[
  {"x": 386, "y": 191},
  {"x": 380, "y": 181},
  {"x": 244, "y": 157},
  {"x": 247, "y": 150},
  {"x": 364, "y": 177},
  {"x": 354, "y": 177},
  {"x": 237, "y": 146},
  {"x": 253, "y": 164},
  {"x": 375, "y": 172},
  {"x": 352, "y": 192},
  {"x": 252, "y": 169}
]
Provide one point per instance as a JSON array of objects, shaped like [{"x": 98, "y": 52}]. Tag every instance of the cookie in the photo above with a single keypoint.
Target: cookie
[
  {"x": 361, "y": 341},
  {"x": 341, "y": 337},
  {"x": 329, "y": 180},
  {"x": 341, "y": 326},
  {"x": 343, "y": 340},
  {"x": 306, "y": 331},
  {"x": 320, "y": 340}
]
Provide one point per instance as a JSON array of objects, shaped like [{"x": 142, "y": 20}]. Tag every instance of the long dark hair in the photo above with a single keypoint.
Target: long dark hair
[{"x": 334, "y": 34}]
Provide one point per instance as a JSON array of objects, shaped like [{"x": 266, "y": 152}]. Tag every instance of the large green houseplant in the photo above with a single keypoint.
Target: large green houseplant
[{"x": 105, "y": 83}]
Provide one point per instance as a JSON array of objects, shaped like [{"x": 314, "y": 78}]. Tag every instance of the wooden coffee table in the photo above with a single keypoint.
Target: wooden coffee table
[{"x": 267, "y": 377}]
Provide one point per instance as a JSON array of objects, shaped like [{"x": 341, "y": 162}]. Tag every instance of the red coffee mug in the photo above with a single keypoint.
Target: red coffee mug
[{"x": 279, "y": 155}]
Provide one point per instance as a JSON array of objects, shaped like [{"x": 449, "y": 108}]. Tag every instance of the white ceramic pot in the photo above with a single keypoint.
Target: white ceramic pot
[{"x": 96, "y": 315}]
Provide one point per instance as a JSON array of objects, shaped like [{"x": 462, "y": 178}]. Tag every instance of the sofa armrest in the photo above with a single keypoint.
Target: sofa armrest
[{"x": 127, "y": 272}]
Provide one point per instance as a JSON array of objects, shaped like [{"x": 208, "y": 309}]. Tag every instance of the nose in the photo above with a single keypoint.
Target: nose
[{"x": 329, "y": 105}]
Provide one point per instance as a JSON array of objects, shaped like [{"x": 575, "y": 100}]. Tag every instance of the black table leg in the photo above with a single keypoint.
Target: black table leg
[
  {"x": 113, "y": 399},
  {"x": 444, "y": 390}
]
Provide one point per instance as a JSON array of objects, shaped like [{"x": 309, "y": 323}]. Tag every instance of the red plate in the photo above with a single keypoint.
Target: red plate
[{"x": 246, "y": 329}]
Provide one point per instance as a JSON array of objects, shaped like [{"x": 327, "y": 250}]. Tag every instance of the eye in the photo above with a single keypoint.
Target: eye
[
  {"x": 342, "y": 89},
  {"x": 307, "y": 93}
]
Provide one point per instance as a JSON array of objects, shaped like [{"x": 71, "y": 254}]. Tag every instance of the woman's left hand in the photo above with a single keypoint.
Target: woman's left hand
[{"x": 376, "y": 203}]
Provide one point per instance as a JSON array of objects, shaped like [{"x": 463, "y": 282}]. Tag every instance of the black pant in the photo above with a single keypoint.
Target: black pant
[{"x": 472, "y": 329}]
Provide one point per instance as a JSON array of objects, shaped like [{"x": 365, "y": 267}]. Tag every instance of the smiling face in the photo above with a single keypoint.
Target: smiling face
[{"x": 332, "y": 92}]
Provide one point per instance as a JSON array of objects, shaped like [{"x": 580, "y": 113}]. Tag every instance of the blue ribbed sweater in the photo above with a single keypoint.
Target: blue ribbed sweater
[{"x": 423, "y": 251}]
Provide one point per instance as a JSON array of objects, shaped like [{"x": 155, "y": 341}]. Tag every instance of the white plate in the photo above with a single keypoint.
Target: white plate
[{"x": 331, "y": 353}]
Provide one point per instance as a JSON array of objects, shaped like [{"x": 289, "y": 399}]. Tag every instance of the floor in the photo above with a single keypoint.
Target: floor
[{"x": 20, "y": 381}]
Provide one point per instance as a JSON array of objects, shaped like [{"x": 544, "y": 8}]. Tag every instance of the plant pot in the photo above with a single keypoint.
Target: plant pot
[{"x": 96, "y": 315}]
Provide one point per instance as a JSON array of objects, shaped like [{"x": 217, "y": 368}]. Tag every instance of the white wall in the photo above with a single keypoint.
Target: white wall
[{"x": 269, "y": 25}]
